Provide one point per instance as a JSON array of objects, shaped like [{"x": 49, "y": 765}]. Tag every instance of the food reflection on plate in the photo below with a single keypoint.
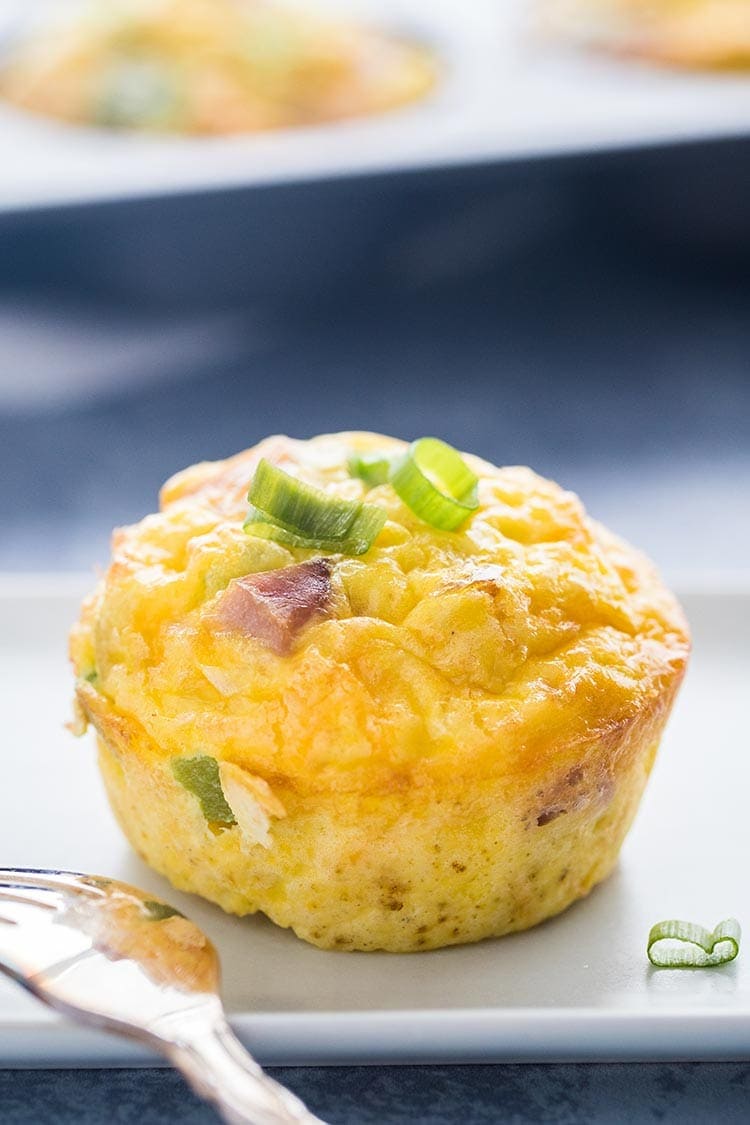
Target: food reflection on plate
[
  {"x": 211, "y": 67},
  {"x": 124, "y": 925},
  {"x": 700, "y": 34}
]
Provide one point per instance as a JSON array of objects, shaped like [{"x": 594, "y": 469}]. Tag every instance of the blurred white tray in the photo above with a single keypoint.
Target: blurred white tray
[
  {"x": 578, "y": 987},
  {"x": 503, "y": 96}
]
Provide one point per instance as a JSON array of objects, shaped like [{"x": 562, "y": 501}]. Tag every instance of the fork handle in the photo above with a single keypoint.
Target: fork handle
[{"x": 218, "y": 1068}]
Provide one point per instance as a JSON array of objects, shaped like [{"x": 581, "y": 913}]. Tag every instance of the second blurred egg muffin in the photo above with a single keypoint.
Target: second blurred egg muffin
[
  {"x": 441, "y": 739},
  {"x": 699, "y": 34}
]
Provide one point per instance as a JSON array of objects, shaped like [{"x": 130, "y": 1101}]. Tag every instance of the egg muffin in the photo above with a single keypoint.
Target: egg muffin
[
  {"x": 210, "y": 67},
  {"x": 427, "y": 738},
  {"x": 698, "y": 34}
]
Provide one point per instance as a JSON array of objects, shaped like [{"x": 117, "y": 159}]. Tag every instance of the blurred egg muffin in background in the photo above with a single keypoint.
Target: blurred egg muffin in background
[
  {"x": 399, "y": 699},
  {"x": 700, "y": 34},
  {"x": 210, "y": 67}
]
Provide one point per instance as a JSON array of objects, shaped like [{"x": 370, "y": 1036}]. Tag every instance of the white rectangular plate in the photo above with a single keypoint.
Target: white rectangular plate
[
  {"x": 577, "y": 987},
  {"x": 503, "y": 94}
]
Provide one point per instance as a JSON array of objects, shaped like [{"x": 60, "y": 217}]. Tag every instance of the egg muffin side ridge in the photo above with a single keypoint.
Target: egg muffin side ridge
[{"x": 450, "y": 743}]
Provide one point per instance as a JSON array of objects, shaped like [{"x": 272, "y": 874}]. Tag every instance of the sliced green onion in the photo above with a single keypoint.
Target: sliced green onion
[
  {"x": 200, "y": 776},
  {"x": 685, "y": 945},
  {"x": 258, "y": 525},
  {"x": 289, "y": 511},
  {"x": 433, "y": 480},
  {"x": 372, "y": 468},
  {"x": 300, "y": 507}
]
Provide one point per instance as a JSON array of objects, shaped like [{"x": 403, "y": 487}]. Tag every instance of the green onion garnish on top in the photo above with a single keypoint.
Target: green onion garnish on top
[
  {"x": 289, "y": 511},
  {"x": 433, "y": 480},
  {"x": 372, "y": 468},
  {"x": 685, "y": 945}
]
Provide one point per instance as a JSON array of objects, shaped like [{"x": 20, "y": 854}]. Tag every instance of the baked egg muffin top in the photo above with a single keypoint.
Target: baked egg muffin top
[{"x": 435, "y": 655}]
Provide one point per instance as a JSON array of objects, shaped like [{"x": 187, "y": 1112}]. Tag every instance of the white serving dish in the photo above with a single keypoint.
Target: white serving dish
[
  {"x": 504, "y": 95},
  {"x": 578, "y": 987}
]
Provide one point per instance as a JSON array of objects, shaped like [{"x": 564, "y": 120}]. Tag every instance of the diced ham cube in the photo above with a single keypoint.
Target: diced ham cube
[{"x": 274, "y": 605}]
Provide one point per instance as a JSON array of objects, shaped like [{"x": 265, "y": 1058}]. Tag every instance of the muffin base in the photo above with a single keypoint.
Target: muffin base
[{"x": 402, "y": 871}]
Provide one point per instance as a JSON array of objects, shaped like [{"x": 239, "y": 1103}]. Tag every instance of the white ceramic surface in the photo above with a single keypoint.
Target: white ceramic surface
[
  {"x": 504, "y": 94},
  {"x": 578, "y": 987}
]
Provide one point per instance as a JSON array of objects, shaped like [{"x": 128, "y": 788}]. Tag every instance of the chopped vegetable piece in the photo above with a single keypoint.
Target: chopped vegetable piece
[
  {"x": 300, "y": 508},
  {"x": 262, "y": 528},
  {"x": 685, "y": 945},
  {"x": 291, "y": 512},
  {"x": 433, "y": 480},
  {"x": 158, "y": 911},
  {"x": 372, "y": 468},
  {"x": 200, "y": 775}
]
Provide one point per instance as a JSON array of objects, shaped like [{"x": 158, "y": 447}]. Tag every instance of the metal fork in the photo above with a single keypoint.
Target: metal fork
[{"x": 110, "y": 955}]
